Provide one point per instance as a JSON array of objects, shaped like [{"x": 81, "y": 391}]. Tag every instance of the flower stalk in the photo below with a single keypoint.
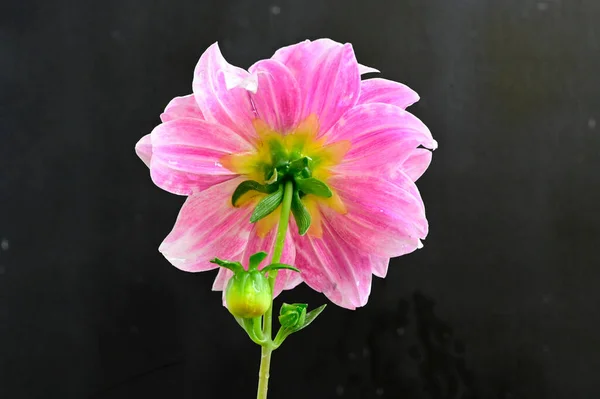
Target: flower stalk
[{"x": 267, "y": 349}]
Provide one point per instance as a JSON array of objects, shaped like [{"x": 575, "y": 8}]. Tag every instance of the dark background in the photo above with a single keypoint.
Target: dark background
[{"x": 501, "y": 303}]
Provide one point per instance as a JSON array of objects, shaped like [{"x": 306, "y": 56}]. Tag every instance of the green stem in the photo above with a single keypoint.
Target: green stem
[{"x": 267, "y": 349}]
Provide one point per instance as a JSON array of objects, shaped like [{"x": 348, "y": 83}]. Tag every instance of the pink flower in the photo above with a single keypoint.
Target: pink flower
[{"x": 309, "y": 100}]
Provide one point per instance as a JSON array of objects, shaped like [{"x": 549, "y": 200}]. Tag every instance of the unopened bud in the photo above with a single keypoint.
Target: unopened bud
[{"x": 248, "y": 294}]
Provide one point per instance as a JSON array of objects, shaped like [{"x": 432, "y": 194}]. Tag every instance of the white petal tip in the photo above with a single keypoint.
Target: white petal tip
[
  {"x": 249, "y": 83},
  {"x": 143, "y": 149},
  {"x": 363, "y": 69}
]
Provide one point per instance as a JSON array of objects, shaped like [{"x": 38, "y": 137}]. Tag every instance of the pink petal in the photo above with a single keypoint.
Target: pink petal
[
  {"x": 292, "y": 56},
  {"x": 385, "y": 218},
  {"x": 182, "y": 107},
  {"x": 277, "y": 100},
  {"x": 382, "y": 136},
  {"x": 378, "y": 117},
  {"x": 379, "y": 90},
  {"x": 379, "y": 265},
  {"x": 331, "y": 266},
  {"x": 417, "y": 163},
  {"x": 143, "y": 149},
  {"x": 187, "y": 152},
  {"x": 221, "y": 91},
  {"x": 208, "y": 226},
  {"x": 221, "y": 280},
  {"x": 328, "y": 75}
]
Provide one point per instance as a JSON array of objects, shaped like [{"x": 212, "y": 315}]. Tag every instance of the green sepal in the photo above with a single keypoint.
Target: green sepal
[
  {"x": 267, "y": 205},
  {"x": 300, "y": 213},
  {"x": 299, "y": 165},
  {"x": 271, "y": 176},
  {"x": 250, "y": 185},
  {"x": 278, "y": 266},
  {"x": 314, "y": 186},
  {"x": 279, "y": 154},
  {"x": 235, "y": 267},
  {"x": 239, "y": 320},
  {"x": 256, "y": 259},
  {"x": 294, "y": 318}
]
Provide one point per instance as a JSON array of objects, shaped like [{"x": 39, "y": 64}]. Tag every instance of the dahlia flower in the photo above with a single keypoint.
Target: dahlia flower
[{"x": 352, "y": 150}]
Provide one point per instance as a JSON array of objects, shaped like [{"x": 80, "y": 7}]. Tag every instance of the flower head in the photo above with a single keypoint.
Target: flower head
[{"x": 349, "y": 146}]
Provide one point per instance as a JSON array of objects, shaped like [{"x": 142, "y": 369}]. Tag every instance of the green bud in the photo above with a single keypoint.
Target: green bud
[
  {"x": 293, "y": 318},
  {"x": 292, "y": 315},
  {"x": 248, "y": 294}
]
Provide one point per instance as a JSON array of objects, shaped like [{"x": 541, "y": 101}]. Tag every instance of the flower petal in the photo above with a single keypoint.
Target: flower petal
[
  {"x": 379, "y": 90},
  {"x": 143, "y": 149},
  {"x": 417, "y": 163},
  {"x": 186, "y": 155},
  {"x": 328, "y": 75},
  {"x": 277, "y": 100},
  {"x": 221, "y": 281},
  {"x": 331, "y": 266},
  {"x": 182, "y": 107},
  {"x": 208, "y": 226},
  {"x": 363, "y": 69},
  {"x": 221, "y": 91},
  {"x": 385, "y": 218},
  {"x": 379, "y": 265},
  {"x": 382, "y": 137}
]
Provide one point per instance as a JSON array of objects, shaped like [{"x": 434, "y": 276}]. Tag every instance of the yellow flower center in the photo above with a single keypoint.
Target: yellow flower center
[{"x": 270, "y": 160}]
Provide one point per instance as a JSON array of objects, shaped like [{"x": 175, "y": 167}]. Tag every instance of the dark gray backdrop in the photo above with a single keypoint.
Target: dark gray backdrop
[{"x": 501, "y": 302}]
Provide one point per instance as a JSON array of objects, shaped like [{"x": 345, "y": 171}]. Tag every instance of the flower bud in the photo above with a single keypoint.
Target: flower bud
[
  {"x": 292, "y": 315},
  {"x": 248, "y": 294}
]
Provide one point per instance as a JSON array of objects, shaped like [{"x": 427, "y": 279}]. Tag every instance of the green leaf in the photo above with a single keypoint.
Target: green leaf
[
  {"x": 311, "y": 316},
  {"x": 278, "y": 266},
  {"x": 233, "y": 266},
  {"x": 267, "y": 205},
  {"x": 249, "y": 185},
  {"x": 314, "y": 186},
  {"x": 255, "y": 260},
  {"x": 300, "y": 213}
]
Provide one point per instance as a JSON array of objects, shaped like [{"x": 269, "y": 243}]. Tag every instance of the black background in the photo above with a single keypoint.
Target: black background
[{"x": 501, "y": 302}]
